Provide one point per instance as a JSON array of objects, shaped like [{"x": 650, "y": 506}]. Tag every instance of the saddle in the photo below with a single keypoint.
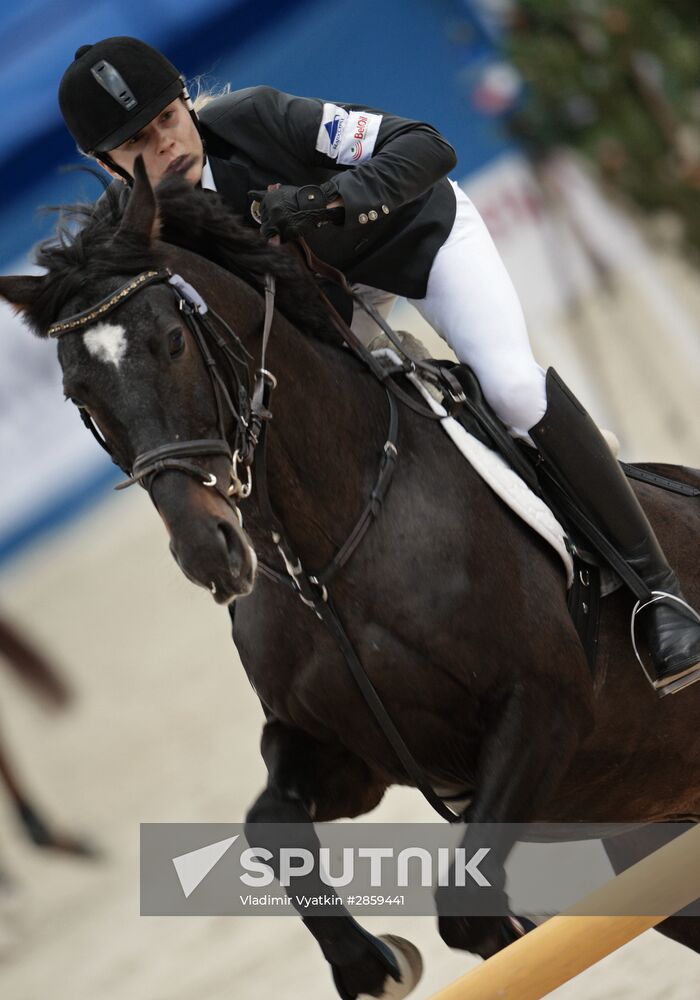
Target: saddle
[
  {"x": 595, "y": 571},
  {"x": 594, "y": 568}
]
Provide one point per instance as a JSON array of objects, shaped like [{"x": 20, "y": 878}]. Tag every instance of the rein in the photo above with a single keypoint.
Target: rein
[{"x": 250, "y": 413}]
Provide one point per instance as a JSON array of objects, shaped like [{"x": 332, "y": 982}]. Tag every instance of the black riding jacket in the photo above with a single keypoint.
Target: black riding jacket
[{"x": 390, "y": 172}]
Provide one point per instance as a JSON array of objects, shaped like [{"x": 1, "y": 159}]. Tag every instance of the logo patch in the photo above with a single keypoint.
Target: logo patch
[
  {"x": 333, "y": 128},
  {"x": 359, "y": 137},
  {"x": 330, "y": 133}
]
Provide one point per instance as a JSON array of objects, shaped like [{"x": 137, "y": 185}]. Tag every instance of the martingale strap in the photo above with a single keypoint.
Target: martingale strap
[{"x": 313, "y": 592}]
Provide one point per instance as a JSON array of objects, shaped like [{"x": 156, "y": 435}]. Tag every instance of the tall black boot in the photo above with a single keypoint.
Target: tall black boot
[{"x": 571, "y": 444}]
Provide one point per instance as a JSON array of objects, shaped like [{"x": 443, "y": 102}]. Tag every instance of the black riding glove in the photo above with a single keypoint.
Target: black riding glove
[{"x": 289, "y": 212}]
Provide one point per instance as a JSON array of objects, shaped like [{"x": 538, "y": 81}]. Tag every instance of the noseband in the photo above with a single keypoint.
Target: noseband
[{"x": 247, "y": 411}]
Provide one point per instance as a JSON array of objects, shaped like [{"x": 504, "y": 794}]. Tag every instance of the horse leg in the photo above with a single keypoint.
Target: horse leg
[
  {"x": 31, "y": 665},
  {"x": 520, "y": 763},
  {"x": 41, "y": 833},
  {"x": 628, "y": 848},
  {"x": 309, "y": 779}
]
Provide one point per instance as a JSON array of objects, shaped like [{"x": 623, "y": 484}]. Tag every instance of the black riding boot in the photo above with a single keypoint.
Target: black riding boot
[{"x": 571, "y": 444}]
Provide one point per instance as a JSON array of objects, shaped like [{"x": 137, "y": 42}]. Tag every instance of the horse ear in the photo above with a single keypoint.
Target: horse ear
[
  {"x": 141, "y": 217},
  {"x": 21, "y": 290}
]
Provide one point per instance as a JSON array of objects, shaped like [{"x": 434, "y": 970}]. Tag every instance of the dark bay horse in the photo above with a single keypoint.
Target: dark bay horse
[{"x": 457, "y": 612}]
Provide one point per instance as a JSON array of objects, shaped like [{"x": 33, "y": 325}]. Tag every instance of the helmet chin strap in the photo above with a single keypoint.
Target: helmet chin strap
[
  {"x": 115, "y": 168},
  {"x": 189, "y": 104}
]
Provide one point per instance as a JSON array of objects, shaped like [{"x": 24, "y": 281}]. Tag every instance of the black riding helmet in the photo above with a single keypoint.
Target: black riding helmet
[{"x": 113, "y": 89}]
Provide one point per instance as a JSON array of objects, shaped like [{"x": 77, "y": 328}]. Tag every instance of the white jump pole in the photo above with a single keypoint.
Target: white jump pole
[{"x": 568, "y": 944}]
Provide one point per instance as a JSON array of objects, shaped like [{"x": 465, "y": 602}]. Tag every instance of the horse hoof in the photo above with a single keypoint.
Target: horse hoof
[{"x": 410, "y": 964}]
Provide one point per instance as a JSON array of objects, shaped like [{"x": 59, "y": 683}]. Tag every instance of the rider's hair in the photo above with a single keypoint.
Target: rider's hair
[{"x": 203, "y": 95}]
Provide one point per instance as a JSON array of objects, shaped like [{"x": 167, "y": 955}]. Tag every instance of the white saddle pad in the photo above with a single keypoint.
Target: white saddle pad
[{"x": 496, "y": 472}]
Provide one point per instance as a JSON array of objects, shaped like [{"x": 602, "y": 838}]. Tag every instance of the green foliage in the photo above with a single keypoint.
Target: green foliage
[{"x": 619, "y": 81}]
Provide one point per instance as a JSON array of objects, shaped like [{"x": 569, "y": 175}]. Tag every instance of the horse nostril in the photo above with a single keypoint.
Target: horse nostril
[{"x": 231, "y": 541}]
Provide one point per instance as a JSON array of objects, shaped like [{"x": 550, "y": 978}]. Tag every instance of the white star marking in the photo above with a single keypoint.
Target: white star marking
[{"x": 106, "y": 342}]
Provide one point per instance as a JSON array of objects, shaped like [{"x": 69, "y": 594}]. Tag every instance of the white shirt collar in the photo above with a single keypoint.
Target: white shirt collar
[{"x": 207, "y": 177}]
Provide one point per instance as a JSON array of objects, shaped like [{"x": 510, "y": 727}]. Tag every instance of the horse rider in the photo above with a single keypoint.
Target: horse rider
[{"x": 404, "y": 229}]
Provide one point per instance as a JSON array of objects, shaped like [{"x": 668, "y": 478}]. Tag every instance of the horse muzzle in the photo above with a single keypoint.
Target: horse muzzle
[
  {"x": 221, "y": 560},
  {"x": 207, "y": 539}
]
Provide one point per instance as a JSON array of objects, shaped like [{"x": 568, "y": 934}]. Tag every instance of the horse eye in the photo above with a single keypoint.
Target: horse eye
[{"x": 176, "y": 343}]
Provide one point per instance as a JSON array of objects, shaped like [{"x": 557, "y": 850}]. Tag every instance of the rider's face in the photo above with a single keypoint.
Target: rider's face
[{"x": 168, "y": 136}]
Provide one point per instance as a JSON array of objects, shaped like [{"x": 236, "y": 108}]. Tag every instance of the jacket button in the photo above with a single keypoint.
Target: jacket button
[
  {"x": 372, "y": 216},
  {"x": 385, "y": 209},
  {"x": 362, "y": 218}
]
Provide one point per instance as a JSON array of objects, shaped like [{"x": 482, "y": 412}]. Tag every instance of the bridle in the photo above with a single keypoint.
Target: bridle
[
  {"x": 245, "y": 412},
  {"x": 250, "y": 413}
]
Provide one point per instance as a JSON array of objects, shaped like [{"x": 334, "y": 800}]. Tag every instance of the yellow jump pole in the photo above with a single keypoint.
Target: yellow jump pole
[{"x": 568, "y": 944}]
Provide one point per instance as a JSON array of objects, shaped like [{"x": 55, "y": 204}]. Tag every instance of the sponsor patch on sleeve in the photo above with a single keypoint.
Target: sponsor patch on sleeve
[
  {"x": 330, "y": 133},
  {"x": 358, "y": 137}
]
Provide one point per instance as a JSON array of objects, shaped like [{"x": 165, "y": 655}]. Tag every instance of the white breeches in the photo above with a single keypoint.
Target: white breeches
[{"x": 471, "y": 302}]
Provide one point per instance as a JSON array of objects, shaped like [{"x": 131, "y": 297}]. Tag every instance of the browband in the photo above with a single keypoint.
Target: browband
[{"x": 110, "y": 302}]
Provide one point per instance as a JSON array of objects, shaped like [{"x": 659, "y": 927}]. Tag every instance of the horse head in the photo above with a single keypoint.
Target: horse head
[{"x": 136, "y": 365}]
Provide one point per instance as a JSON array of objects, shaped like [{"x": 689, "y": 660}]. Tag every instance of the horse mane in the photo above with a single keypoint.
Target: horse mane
[
  {"x": 89, "y": 246},
  {"x": 202, "y": 222}
]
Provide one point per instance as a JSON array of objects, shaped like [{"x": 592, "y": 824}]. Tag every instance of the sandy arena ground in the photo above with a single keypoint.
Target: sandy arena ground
[{"x": 166, "y": 729}]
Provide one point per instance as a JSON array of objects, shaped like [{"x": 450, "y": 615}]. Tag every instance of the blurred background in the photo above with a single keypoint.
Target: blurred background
[{"x": 577, "y": 126}]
